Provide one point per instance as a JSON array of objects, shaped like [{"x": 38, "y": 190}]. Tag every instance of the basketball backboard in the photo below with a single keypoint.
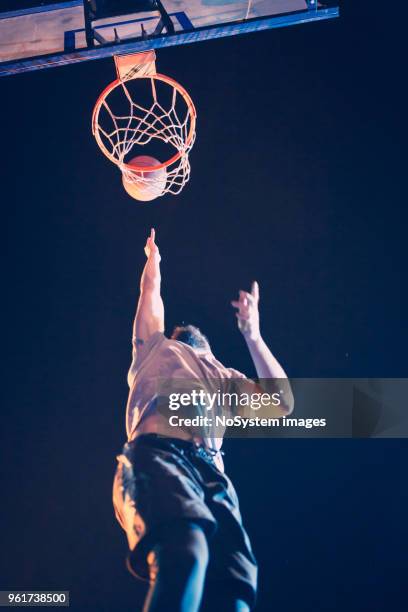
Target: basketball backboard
[{"x": 51, "y": 35}]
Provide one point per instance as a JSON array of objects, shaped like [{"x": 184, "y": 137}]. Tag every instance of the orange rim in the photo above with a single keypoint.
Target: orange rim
[{"x": 161, "y": 77}]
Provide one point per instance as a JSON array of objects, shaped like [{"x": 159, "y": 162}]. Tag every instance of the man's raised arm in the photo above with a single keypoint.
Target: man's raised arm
[
  {"x": 266, "y": 365},
  {"x": 150, "y": 310}
]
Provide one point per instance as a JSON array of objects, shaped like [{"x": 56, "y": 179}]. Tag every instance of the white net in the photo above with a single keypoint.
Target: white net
[{"x": 148, "y": 115}]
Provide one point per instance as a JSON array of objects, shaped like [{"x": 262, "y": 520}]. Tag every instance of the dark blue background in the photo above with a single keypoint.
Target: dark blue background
[{"x": 297, "y": 181}]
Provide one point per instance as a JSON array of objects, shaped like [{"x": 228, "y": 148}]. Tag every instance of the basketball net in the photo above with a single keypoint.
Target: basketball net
[{"x": 167, "y": 115}]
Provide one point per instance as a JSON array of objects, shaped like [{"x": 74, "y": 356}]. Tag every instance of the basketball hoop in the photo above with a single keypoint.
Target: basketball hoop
[{"x": 143, "y": 112}]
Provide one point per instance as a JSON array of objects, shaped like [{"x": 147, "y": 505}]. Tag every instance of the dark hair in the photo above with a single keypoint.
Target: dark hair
[{"x": 191, "y": 335}]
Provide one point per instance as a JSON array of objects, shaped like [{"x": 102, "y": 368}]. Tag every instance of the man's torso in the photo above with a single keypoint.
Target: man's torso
[{"x": 160, "y": 360}]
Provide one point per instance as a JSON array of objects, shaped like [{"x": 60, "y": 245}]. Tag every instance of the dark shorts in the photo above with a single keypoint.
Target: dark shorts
[{"x": 160, "y": 480}]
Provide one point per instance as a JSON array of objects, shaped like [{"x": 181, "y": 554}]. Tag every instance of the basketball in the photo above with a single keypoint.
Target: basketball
[{"x": 150, "y": 185}]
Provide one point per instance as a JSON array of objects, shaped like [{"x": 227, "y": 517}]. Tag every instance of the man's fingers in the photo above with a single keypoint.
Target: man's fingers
[
  {"x": 255, "y": 290},
  {"x": 152, "y": 234},
  {"x": 243, "y": 311},
  {"x": 241, "y": 304},
  {"x": 246, "y": 297},
  {"x": 243, "y": 297},
  {"x": 252, "y": 297}
]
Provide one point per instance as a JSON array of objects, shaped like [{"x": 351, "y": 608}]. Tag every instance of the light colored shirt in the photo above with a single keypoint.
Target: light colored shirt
[{"x": 161, "y": 359}]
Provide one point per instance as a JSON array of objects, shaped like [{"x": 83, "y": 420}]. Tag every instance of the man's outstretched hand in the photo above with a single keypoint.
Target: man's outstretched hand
[
  {"x": 248, "y": 313},
  {"x": 151, "y": 249}
]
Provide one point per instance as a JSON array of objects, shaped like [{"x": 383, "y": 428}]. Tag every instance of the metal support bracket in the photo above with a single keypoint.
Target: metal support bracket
[{"x": 92, "y": 12}]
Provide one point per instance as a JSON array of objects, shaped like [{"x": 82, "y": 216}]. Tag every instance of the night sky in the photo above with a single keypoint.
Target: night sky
[{"x": 298, "y": 182}]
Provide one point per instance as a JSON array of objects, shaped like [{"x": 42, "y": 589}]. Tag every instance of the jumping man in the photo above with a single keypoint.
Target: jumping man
[{"x": 171, "y": 496}]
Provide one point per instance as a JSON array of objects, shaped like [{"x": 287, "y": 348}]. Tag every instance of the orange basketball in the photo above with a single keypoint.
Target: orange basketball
[{"x": 145, "y": 186}]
